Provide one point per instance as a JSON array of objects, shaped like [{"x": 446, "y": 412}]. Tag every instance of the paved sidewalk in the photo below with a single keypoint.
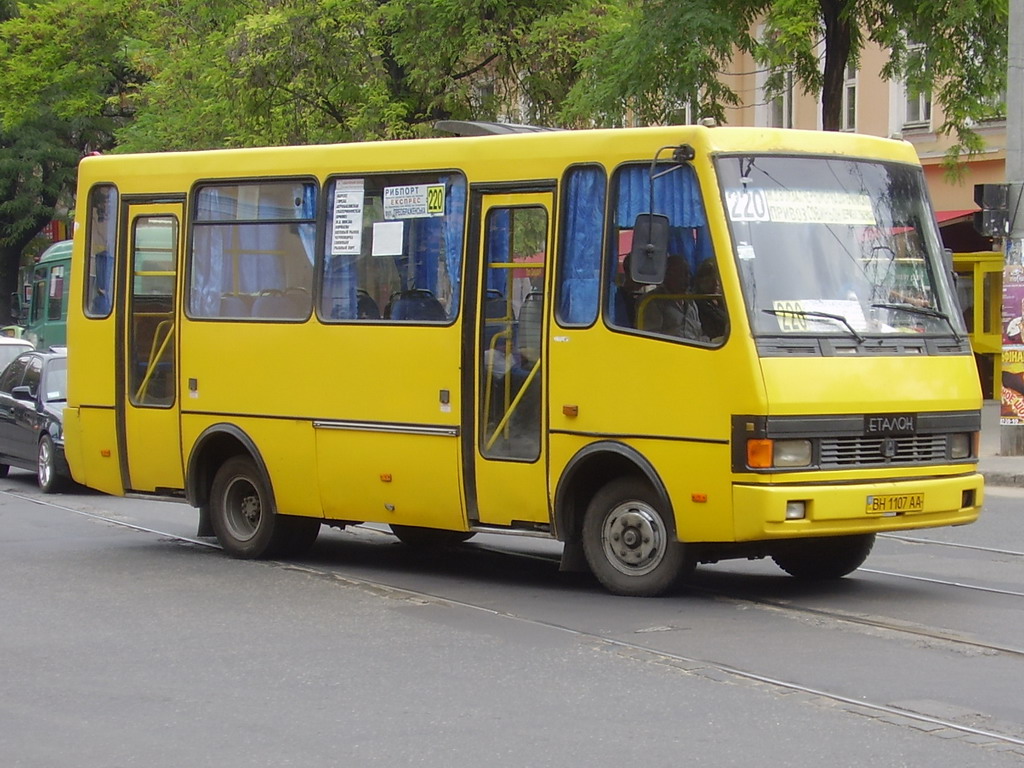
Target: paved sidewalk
[{"x": 998, "y": 470}]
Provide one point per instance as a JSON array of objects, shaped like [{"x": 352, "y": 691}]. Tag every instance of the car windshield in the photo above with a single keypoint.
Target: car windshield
[
  {"x": 10, "y": 351},
  {"x": 55, "y": 381},
  {"x": 833, "y": 246}
]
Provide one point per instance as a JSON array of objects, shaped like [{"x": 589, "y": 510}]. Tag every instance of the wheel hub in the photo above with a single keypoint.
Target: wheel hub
[
  {"x": 243, "y": 509},
  {"x": 634, "y": 539}
]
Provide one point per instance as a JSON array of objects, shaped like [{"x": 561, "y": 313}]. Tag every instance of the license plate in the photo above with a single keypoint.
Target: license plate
[{"x": 895, "y": 503}]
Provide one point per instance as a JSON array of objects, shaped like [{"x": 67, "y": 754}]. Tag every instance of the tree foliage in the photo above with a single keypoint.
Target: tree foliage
[
  {"x": 661, "y": 55},
  {"x": 310, "y": 71},
  {"x": 62, "y": 82}
]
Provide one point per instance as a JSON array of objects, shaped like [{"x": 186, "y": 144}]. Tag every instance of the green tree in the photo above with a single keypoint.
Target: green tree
[
  {"x": 662, "y": 55},
  {"x": 63, "y": 80},
  {"x": 310, "y": 71}
]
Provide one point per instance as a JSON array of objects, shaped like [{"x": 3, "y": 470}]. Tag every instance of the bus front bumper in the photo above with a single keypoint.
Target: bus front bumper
[{"x": 794, "y": 511}]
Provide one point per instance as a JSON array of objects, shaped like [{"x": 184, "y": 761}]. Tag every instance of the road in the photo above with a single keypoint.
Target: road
[{"x": 127, "y": 642}]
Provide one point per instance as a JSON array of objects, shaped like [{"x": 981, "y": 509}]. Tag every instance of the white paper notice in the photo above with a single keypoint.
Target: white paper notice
[
  {"x": 347, "y": 227},
  {"x": 387, "y": 238}
]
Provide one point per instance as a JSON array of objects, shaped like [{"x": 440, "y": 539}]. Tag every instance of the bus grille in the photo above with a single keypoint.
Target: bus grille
[{"x": 863, "y": 451}]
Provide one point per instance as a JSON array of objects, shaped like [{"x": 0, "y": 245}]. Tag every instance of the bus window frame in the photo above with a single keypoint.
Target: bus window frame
[
  {"x": 323, "y": 256},
  {"x": 188, "y": 256},
  {"x": 111, "y": 250}
]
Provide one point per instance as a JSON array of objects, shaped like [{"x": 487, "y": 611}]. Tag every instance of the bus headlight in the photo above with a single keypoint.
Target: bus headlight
[
  {"x": 792, "y": 453},
  {"x": 960, "y": 445},
  {"x": 766, "y": 454}
]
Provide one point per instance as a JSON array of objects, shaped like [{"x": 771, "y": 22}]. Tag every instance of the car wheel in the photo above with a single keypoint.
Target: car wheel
[
  {"x": 46, "y": 467},
  {"x": 4, "y": 469},
  {"x": 629, "y": 540}
]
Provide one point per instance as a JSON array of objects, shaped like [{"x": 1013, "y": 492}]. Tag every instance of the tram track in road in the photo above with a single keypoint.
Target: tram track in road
[
  {"x": 709, "y": 668},
  {"x": 952, "y": 544},
  {"x": 847, "y": 618},
  {"x": 781, "y": 605}
]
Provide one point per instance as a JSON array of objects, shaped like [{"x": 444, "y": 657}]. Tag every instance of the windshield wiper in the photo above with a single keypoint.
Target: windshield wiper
[
  {"x": 910, "y": 308},
  {"x": 826, "y": 315}
]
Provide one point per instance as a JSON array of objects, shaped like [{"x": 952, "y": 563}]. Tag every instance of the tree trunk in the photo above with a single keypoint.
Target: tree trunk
[{"x": 838, "y": 40}]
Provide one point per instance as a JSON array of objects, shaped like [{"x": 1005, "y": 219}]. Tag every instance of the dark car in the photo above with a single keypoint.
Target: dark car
[{"x": 33, "y": 393}]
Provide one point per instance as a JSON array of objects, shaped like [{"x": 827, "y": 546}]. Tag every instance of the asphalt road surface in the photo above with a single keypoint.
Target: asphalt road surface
[{"x": 125, "y": 641}]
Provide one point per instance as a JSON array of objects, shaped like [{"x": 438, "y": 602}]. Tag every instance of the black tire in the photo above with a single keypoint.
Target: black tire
[
  {"x": 429, "y": 538},
  {"x": 242, "y": 512},
  {"x": 826, "y": 558},
  {"x": 629, "y": 540},
  {"x": 46, "y": 467},
  {"x": 4, "y": 469}
]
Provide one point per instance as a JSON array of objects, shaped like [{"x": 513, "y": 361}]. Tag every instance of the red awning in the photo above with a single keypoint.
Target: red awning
[{"x": 949, "y": 217}]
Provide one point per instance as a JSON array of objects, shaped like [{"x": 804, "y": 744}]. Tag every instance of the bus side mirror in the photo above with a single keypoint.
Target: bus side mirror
[
  {"x": 15, "y": 306},
  {"x": 649, "y": 254}
]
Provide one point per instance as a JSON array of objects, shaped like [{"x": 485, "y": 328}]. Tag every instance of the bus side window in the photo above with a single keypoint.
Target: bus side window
[
  {"x": 578, "y": 284},
  {"x": 101, "y": 244},
  {"x": 252, "y": 250},
  {"x": 691, "y": 308},
  {"x": 55, "y": 308},
  {"x": 393, "y": 248}
]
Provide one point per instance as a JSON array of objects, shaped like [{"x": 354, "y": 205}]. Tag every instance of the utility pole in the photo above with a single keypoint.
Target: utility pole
[{"x": 1011, "y": 436}]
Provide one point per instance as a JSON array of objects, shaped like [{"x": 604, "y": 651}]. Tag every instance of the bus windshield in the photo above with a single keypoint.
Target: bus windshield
[{"x": 830, "y": 246}]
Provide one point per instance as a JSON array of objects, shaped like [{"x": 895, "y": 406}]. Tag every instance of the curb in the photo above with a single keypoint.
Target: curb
[{"x": 1005, "y": 479}]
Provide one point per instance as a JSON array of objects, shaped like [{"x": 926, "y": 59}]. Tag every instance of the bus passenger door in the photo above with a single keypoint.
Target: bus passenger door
[
  {"x": 148, "y": 397},
  {"x": 509, "y": 472}
]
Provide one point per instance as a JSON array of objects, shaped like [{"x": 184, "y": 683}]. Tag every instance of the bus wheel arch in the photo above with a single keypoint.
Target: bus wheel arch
[
  {"x": 589, "y": 474},
  {"x": 229, "y": 482},
  {"x": 216, "y": 445}
]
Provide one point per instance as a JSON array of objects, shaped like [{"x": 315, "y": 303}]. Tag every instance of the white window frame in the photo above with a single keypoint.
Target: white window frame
[
  {"x": 849, "y": 95},
  {"x": 920, "y": 104}
]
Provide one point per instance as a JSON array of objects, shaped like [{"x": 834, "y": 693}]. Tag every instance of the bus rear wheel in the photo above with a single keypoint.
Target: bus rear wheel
[
  {"x": 629, "y": 540},
  {"x": 826, "y": 558},
  {"x": 242, "y": 513}
]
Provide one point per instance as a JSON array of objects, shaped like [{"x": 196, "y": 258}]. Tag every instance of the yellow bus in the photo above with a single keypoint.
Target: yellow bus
[{"x": 658, "y": 346}]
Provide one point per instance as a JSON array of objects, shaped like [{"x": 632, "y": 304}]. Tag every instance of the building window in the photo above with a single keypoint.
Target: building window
[
  {"x": 918, "y": 108},
  {"x": 917, "y": 102},
  {"x": 780, "y": 107},
  {"x": 849, "y": 119}
]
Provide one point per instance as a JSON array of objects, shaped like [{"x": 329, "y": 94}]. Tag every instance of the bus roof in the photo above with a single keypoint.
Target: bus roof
[
  {"x": 489, "y": 152},
  {"x": 57, "y": 252}
]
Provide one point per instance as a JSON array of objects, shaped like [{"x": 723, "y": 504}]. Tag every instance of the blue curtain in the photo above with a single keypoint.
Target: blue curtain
[
  {"x": 676, "y": 195},
  {"x": 499, "y": 250},
  {"x": 452, "y": 235},
  {"x": 580, "y": 264},
  {"x": 307, "y": 232},
  {"x": 209, "y": 270}
]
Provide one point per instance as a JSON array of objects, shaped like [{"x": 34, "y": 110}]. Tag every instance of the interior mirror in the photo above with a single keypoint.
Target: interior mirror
[{"x": 649, "y": 253}]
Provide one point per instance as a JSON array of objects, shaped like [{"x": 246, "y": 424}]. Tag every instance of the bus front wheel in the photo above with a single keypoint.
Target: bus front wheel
[
  {"x": 826, "y": 558},
  {"x": 629, "y": 540},
  {"x": 241, "y": 511}
]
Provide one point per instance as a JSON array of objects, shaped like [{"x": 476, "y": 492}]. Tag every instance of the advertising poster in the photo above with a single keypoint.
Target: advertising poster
[{"x": 1012, "y": 412}]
